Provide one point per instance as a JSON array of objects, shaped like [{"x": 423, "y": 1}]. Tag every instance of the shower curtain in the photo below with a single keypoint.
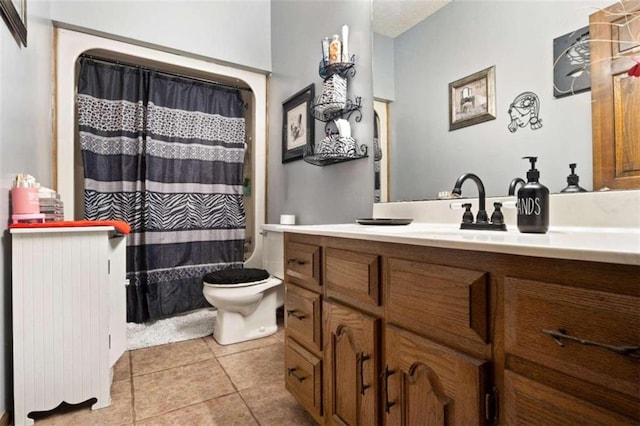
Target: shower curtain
[{"x": 164, "y": 154}]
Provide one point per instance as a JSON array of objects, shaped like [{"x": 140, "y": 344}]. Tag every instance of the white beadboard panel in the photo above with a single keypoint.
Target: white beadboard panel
[
  {"x": 118, "y": 312},
  {"x": 63, "y": 295}
]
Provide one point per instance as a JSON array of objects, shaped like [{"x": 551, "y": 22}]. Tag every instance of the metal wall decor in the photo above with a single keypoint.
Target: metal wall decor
[
  {"x": 472, "y": 99},
  {"x": 524, "y": 110},
  {"x": 571, "y": 62}
]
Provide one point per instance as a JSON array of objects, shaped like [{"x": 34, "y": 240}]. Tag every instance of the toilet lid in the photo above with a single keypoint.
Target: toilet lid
[{"x": 236, "y": 276}]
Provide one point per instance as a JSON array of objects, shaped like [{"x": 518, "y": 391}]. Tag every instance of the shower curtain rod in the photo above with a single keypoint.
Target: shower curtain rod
[{"x": 167, "y": 73}]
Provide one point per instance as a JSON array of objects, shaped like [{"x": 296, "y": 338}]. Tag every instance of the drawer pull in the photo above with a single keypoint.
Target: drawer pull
[
  {"x": 296, "y": 261},
  {"x": 292, "y": 372},
  {"x": 361, "y": 359},
  {"x": 295, "y": 314},
  {"x": 557, "y": 335},
  {"x": 385, "y": 375}
]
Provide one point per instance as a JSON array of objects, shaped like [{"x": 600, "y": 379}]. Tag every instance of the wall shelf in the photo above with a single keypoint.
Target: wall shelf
[
  {"x": 343, "y": 69},
  {"x": 333, "y": 104},
  {"x": 326, "y": 111}
]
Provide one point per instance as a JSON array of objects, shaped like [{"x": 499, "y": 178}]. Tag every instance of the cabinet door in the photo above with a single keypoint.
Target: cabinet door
[
  {"x": 351, "y": 359},
  {"x": 615, "y": 95},
  {"x": 428, "y": 384}
]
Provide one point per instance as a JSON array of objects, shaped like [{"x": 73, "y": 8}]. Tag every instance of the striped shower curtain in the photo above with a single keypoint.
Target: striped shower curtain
[{"x": 165, "y": 155}]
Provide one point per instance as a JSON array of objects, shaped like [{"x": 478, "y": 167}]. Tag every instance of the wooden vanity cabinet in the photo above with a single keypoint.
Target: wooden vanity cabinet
[
  {"x": 570, "y": 350},
  {"x": 415, "y": 335},
  {"x": 303, "y": 322}
]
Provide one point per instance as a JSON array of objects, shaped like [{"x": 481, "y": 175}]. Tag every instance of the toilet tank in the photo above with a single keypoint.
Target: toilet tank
[{"x": 273, "y": 253}]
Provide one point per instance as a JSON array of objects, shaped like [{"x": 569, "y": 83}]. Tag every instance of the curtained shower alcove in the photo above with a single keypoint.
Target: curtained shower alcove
[{"x": 165, "y": 154}]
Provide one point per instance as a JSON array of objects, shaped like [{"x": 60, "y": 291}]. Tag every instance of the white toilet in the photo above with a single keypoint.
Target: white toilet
[{"x": 247, "y": 299}]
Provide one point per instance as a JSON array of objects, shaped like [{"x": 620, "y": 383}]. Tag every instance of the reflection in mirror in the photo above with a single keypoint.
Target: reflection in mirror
[{"x": 414, "y": 62}]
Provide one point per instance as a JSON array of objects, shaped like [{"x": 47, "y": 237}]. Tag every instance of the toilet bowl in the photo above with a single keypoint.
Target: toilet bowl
[
  {"x": 246, "y": 310},
  {"x": 247, "y": 299}
]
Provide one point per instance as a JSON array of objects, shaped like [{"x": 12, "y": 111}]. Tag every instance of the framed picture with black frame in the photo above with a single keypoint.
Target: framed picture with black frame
[
  {"x": 14, "y": 14},
  {"x": 297, "y": 124}
]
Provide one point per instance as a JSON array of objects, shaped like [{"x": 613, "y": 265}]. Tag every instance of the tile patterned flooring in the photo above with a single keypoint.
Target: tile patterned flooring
[{"x": 195, "y": 382}]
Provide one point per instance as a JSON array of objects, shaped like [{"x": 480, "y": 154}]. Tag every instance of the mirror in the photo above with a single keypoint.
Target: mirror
[{"x": 412, "y": 72}]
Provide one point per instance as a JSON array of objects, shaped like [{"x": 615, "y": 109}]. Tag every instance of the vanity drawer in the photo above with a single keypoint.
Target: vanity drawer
[
  {"x": 303, "y": 377},
  {"x": 303, "y": 316},
  {"x": 529, "y": 402},
  {"x": 302, "y": 264},
  {"x": 353, "y": 274},
  {"x": 423, "y": 296},
  {"x": 534, "y": 310}
]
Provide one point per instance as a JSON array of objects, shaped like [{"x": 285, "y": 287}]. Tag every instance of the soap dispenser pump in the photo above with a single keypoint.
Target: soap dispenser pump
[
  {"x": 533, "y": 203},
  {"x": 573, "y": 180}
]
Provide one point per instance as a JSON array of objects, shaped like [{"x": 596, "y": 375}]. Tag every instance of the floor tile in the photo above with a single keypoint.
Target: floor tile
[
  {"x": 226, "y": 410},
  {"x": 280, "y": 335},
  {"x": 222, "y": 350},
  {"x": 179, "y": 387},
  {"x": 120, "y": 411},
  {"x": 163, "y": 357},
  {"x": 255, "y": 367},
  {"x": 122, "y": 368},
  {"x": 273, "y": 405}
]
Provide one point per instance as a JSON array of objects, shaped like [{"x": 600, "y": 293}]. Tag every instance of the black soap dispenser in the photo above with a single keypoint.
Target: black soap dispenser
[
  {"x": 573, "y": 180},
  {"x": 533, "y": 203}
]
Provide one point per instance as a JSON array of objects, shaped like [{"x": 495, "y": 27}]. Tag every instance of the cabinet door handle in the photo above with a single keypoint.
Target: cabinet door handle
[
  {"x": 294, "y": 313},
  {"x": 296, "y": 262},
  {"x": 557, "y": 335},
  {"x": 361, "y": 359},
  {"x": 292, "y": 372},
  {"x": 385, "y": 375}
]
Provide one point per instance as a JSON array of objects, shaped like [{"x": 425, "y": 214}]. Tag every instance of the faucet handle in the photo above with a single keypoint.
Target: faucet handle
[
  {"x": 496, "y": 217},
  {"x": 467, "y": 216}
]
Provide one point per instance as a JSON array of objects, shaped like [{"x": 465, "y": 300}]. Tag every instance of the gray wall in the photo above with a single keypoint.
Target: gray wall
[
  {"x": 461, "y": 39},
  {"x": 336, "y": 193},
  {"x": 25, "y": 144},
  {"x": 383, "y": 74},
  {"x": 231, "y": 31}
]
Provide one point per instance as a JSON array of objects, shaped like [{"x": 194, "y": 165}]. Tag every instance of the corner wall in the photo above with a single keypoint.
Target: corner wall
[{"x": 332, "y": 194}]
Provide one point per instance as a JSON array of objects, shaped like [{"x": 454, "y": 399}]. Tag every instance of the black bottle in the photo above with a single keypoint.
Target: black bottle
[
  {"x": 573, "y": 180},
  {"x": 533, "y": 203}
]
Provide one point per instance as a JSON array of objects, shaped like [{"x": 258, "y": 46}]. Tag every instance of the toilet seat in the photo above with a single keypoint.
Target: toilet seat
[
  {"x": 233, "y": 278},
  {"x": 236, "y": 285}
]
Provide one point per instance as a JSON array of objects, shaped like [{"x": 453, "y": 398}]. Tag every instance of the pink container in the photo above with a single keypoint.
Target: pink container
[{"x": 25, "y": 201}]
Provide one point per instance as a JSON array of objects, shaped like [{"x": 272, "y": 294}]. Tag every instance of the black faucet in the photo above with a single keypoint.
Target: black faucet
[
  {"x": 482, "y": 220},
  {"x": 514, "y": 183},
  {"x": 481, "y": 217}
]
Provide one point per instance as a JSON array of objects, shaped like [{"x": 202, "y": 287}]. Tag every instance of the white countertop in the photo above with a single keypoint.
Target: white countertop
[{"x": 610, "y": 245}]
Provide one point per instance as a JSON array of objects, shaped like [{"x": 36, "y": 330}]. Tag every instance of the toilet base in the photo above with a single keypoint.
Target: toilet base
[{"x": 232, "y": 327}]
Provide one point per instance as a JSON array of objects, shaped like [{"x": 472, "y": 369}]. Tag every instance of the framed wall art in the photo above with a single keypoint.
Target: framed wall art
[
  {"x": 14, "y": 14},
  {"x": 571, "y": 63},
  {"x": 472, "y": 99},
  {"x": 297, "y": 124}
]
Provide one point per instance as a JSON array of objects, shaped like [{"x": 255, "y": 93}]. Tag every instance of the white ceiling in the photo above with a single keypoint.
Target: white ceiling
[{"x": 393, "y": 17}]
